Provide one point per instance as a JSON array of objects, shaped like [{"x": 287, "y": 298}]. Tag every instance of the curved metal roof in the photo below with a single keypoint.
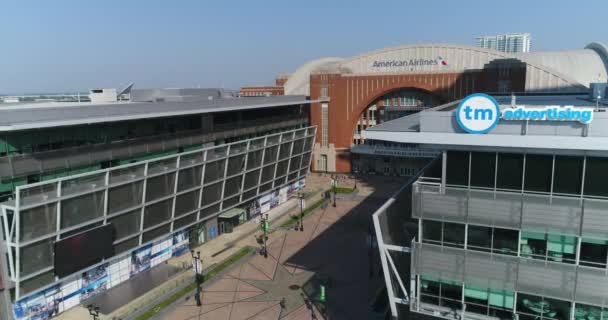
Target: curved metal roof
[{"x": 566, "y": 69}]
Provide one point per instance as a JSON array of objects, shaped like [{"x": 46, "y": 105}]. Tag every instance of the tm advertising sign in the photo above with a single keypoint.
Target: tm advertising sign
[{"x": 479, "y": 113}]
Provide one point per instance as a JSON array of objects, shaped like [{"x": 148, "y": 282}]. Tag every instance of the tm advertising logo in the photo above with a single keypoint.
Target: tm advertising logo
[{"x": 478, "y": 113}]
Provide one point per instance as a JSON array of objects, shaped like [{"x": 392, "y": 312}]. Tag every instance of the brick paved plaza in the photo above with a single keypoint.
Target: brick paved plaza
[{"x": 332, "y": 250}]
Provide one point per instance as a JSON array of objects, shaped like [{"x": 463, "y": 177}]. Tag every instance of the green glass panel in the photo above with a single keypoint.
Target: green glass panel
[
  {"x": 563, "y": 244},
  {"x": 481, "y": 294},
  {"x": 532, "y": 235},
  {"x": 501, "y": 299},
  {"x": 587, "y": 312}
]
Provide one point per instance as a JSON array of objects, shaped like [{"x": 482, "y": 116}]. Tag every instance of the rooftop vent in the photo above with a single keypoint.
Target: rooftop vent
[{"x": 103, "y": 95}]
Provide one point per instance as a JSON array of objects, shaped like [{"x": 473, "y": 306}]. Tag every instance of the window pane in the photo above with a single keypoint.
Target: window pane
[
  {"x": 214, "y": 170},
  {"x": 482, "y": 169},
  {"x": 538, "y": 173},
  {"x": 126, "y": 245},
  {"x": 157, "y": 213},
  {"x": 236, "y": 164},
  {"x": 596, "y": 175},
  {"x": 453, "y": 234},
  {"x": 125, "y": 196},
  {"x": 529, "y": 304},
  {"x": 189, "y": 178},
  {"x": 254, "y": 159},
  {"x": 457, "y": 168},
  {"x": 431, "y": 230},
  {"x": 584, "y": 311},
  {"x": 156, "y": 233},
  {"x": 126, "y": 224},
  {"x": 81, "y": 209},
  {"x": 510, "y": 171},
  {"x": 505, "y": 241},
  {"x": 160, "y": 186},
  {"x": 39, "y": 256},
  {"x": 556, "y": 309},
  {"x": 594, "y": 252},
  {"x": 186, "y": 202},
  {"x": 568, "y": 174},
  {"x": 451, "y": 291},
  {"x": 533, "y": 244},
  {"x": 233, "y": 186},
  {"x": 38, "y": 221},
  {"x": 212, "y": 193},
  {"x": 480, "y": 238},
  {"x": 271, "y": 154},
  {"x": 561, "y": 248}
]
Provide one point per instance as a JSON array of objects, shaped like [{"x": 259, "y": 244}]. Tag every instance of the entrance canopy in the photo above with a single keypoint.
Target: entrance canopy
[{"x": 234, "y": 212}]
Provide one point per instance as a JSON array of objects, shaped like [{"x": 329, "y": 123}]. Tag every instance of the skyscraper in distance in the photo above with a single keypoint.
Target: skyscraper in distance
[{"x": 510, "y": 42}]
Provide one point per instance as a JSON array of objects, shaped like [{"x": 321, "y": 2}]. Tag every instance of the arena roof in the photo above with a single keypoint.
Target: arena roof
[
  {"x": 559, "y": 69},
  {"x": 55, "y": 114}
]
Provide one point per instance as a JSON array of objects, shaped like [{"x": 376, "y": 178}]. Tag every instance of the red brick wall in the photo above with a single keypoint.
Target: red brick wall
[{"x": 349, "y": 95}]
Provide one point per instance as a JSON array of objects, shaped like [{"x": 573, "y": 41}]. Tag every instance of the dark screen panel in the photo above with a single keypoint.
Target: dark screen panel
[
  {"x": 538, "y": 173},
  {"x": 510, "y": 171},
  {"x": 82, "y": 250},
  {"x": 568, "y": 174},
  {"x": 596, "y": 175},
  {"x": 483, "y": 166},
  {"x": 458, "y": 168}
]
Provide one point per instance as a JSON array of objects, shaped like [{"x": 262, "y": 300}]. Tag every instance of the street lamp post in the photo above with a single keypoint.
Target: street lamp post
[
  {"x": 301, "y": 198},
  {"x": 264, "y": 225},
  {"x": 93, "y": 311},
  {"x": 197, "y": 265},
  {"x": 334, "y": 182}
]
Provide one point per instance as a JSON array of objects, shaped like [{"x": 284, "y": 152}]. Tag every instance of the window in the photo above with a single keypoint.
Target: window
[
  {"x": 457, "y": 168},
  {"x": 484, "y": 301},
  {"x": 540, "y": 308},
  {"x": 431, "y": 231},
  {"x": 443, "y": 233},
  {"x": 594, "y": 253},
  {"x": 479, "y": 238},
  {"x": 585, "y": 311},
  {"x": 568, "y": 175},
  {"x": 441, "y": 292},
  {"x": 510, "y": 171},
  {"x": 324, "y": 124},
  {"x": 596, "y": 175},
  {"x": 483, "y": 166},
  {"x": 538, "y": 173},
  {"x": 494, "y": 240},
  {"x": 552, "y": 247},
  {"x": 324, "y": 91}
]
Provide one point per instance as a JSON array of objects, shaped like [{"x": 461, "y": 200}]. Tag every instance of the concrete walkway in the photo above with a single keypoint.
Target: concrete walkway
[{"x": 212, "y": 253}]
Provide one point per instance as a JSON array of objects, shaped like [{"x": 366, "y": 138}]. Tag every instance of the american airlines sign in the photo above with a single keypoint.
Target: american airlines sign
[{"x": 409, "y": 63}]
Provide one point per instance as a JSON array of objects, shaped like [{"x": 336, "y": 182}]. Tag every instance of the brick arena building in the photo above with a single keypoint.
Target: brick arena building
[{"x": 360, "y": 92}]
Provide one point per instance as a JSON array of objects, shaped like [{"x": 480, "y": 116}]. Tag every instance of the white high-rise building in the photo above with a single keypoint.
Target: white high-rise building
[{"x": 510, "y": 42}]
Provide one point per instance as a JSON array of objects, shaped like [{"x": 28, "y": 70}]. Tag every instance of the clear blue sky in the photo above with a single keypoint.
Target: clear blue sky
[{"x": 61, "y": 45}]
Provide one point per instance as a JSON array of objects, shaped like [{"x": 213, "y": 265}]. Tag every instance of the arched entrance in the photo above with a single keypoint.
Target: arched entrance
[{"x": 392, "y": 105}]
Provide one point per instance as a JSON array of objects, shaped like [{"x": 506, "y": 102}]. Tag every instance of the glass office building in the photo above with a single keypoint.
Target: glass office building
[
  {"x": 511, "y": 42},
  {"x": 168, "y": 168},
  {"x": 507, "y": 225}
]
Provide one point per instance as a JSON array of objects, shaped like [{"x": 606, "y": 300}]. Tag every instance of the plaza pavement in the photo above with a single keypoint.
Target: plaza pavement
[{"x": 332, "y": 250}]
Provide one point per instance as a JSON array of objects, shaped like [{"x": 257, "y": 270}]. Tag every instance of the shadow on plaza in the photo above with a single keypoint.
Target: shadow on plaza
[{"x": 341, "y": 256}]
